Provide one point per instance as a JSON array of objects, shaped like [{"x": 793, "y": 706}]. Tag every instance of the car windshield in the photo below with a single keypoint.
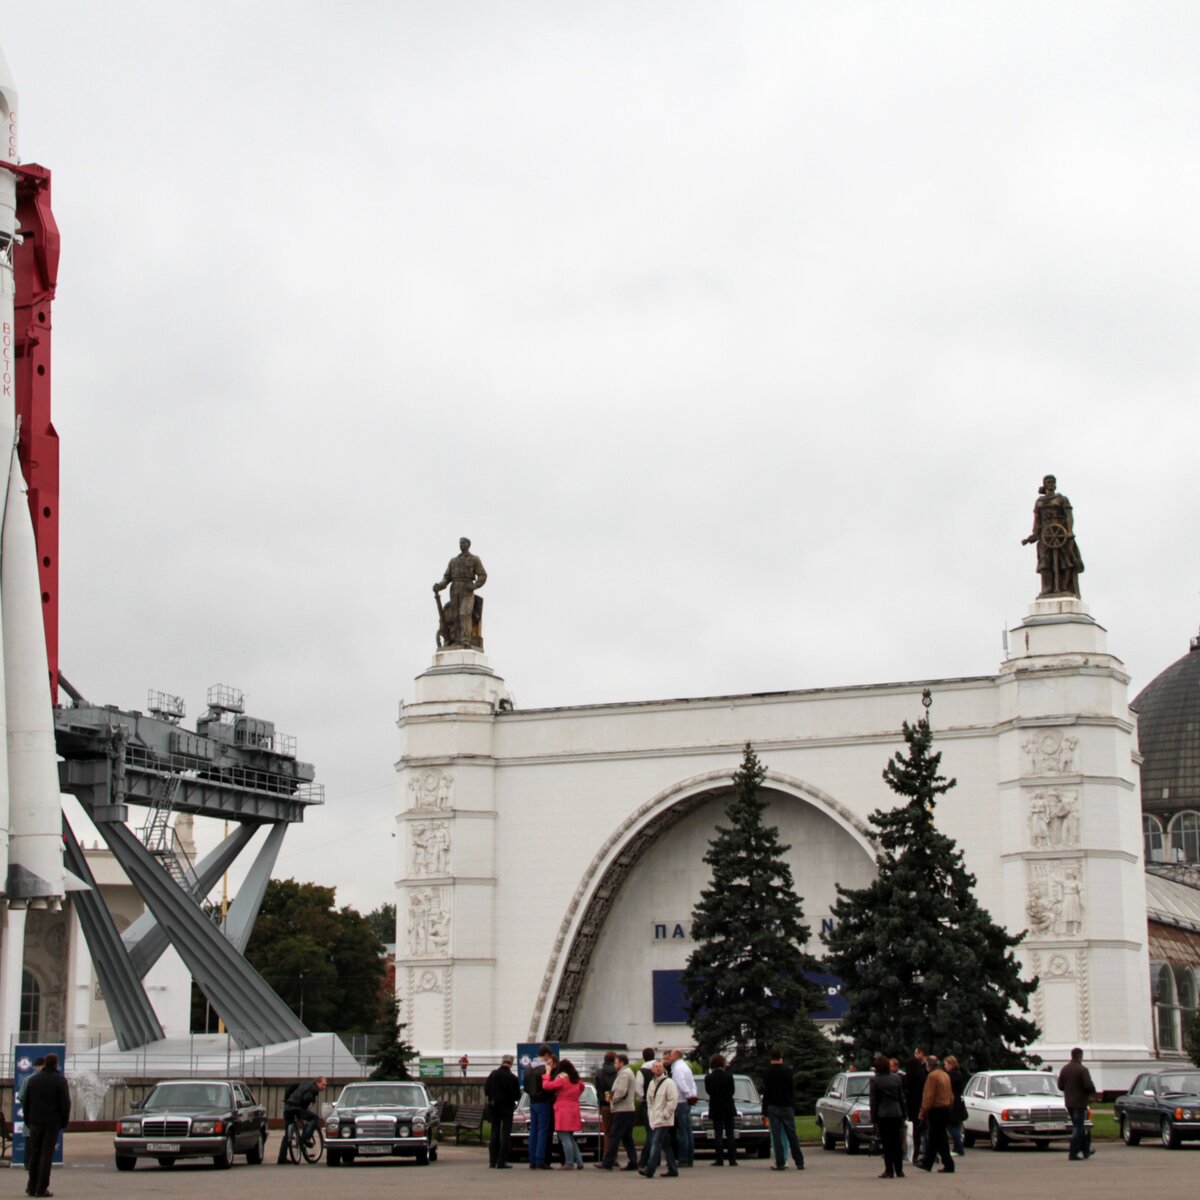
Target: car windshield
[
  {"x": 383, "y": 1095},
  {"x": 1024, "y": 1085},
  {"x": 187, "y": 1095},
  {"x": 857, "y": 1085},
  {"x": 1183, "y": 1084},
  {"x": 743, "y": 1089}
]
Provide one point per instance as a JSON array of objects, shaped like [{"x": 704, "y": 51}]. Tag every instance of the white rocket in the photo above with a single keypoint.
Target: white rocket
[{"x": 30, "y": 804}]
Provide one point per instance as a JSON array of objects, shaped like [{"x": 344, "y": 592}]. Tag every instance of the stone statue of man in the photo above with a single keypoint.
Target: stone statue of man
[
  {"x": 1059, "y": 562},
  {"x": 462, "y": 618}
]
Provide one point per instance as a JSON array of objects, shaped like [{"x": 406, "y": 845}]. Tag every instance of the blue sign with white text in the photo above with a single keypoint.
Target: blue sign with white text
[
  {"x": 527, "y": 1053},
  {"x": 25, "y": 1055}
]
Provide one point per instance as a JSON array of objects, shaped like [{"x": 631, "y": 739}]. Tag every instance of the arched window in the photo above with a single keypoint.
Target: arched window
[
  {"x": 1185, "y": 835},
  {"x": 31, "y": 1008},
  {"x": 1152, "y": 838},
  {"x": 1164, "y": 1008},
  {"x": 1185, "y": 991}
]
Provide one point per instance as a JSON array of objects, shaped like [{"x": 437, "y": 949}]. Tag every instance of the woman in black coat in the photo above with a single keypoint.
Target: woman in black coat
[
  {"x": 888, "y": 1115},
  {"x": 718, "y": 1083}
]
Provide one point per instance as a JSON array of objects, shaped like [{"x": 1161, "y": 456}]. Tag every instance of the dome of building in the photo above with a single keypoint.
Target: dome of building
[{"x": 1168, "y": 710}]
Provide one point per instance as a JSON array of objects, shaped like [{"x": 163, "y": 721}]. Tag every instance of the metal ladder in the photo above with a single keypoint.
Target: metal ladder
[{"x": 159, "y": 838}]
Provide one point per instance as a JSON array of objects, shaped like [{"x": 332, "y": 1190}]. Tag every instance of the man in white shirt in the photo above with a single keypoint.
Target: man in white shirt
[{"x": 685, "y": 1084}]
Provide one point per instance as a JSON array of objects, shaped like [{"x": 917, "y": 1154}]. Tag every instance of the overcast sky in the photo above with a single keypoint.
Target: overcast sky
[{"x": 736, "y": 336}]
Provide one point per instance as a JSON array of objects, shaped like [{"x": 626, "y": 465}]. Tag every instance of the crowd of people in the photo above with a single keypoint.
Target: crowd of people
[
  {"x": 660, "y": 1094},
  {"x": 917, "y": 1111}
]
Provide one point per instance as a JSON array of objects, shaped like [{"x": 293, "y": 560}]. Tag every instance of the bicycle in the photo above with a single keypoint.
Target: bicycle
[{"x": 297, "y": 1148}]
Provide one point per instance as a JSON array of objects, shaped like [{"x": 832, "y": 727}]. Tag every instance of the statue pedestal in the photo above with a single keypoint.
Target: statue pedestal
[
  {"x": 446, "y": 830},
  {"x": 1071, "y": 834}
]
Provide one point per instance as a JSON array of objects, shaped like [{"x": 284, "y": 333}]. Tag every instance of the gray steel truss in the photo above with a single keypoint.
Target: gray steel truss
[
  {"x": 235, "y": 767},
  {"x": 133, "y": 1016},
  {"x": 145, "y": 939}
]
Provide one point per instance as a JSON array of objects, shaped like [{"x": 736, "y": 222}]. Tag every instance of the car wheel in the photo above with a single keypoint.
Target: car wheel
[
  {"x": 851, "y": 1140},
  {"x": 968, "y": 1140},
  {"x": 258, "y": 1151},
  {"x": 1129, "y": 1135},
  {"x": 167, "y": 1160},
  {"x": 422, "y": 1158},
  {"x": 1170, "y": 1138},
  {"x": 828, "y": 1141},
  {"x": 126, "y": 1162},
  {"x": 333, "y": 1158},
  {"x": 996, "y": 1136},
  {"x": 224, "y": 1160}
]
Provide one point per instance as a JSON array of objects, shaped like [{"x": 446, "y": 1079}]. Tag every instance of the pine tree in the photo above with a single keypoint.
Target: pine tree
[
  {"x": 1191, "y": 1039},
  {"x": 922, "y": 963},
  {"x": 393, "y": 1053},
  {"x": 745, "y": 980}
]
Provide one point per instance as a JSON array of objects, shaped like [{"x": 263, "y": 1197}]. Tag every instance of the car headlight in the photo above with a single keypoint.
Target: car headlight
[
  {"x": 1015, "y": 1114},
  {"x": 332, "y": 1129},
  {"x": 1183, "y": 1114},
  {"x": 418, "y": 1125},
  {"x": 129, "y": 1128},
  {"x": 208, "y": 1127}
]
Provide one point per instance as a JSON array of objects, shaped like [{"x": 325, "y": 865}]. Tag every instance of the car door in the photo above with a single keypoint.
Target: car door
[
  {"x": 1133, "y": 1101},
  {"x": 244, "y": 1122},
  {"x": 1146, "y": 1104},
  {"x": 973, "y": 1097}
]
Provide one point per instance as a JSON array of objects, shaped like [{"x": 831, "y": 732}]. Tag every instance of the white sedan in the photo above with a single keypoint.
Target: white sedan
[{"x": 1015, "y": 1106}]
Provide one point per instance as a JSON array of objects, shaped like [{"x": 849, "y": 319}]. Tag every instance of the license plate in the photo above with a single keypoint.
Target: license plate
[
  {"x": 375, "y": 1150},
  {"x": 1051, "y": 1126},
  {"x": 163, "y": 1147}
]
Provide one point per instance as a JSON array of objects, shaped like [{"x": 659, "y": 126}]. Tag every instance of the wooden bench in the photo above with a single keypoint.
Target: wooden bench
[{"x": 468, "y": 1120}]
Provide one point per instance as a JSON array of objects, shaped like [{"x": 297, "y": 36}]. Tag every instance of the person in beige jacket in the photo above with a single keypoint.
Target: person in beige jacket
[
  {"x": 937, "y": 1107},
  {"x": 624, "y": 1113},
  {"x": 661, "y": 1098}
]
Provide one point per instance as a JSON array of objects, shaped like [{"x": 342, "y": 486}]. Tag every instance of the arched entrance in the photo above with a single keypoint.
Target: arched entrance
[{"x": 650, "y": 873}]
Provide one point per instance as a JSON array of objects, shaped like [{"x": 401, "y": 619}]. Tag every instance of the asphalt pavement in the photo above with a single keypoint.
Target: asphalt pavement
[{"x": 1116, "y": 1171}]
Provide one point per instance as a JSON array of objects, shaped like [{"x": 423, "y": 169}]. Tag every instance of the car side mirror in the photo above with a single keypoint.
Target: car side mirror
[
  {"x": 1148, "y": 1092},
  {"x": 136, "y": 1106}
]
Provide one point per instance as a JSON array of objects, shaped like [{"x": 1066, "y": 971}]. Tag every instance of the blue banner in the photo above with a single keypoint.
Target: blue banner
[
  {"x": 670, "y": 1000},
  {"x": 23, "y": 1058}
]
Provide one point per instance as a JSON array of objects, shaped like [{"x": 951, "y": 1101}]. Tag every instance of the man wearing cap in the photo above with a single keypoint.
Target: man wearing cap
[{"x": 503, "y": 1093}]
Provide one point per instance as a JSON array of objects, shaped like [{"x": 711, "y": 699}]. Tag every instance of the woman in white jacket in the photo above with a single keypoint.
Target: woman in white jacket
[{"x": 661, "y": 1098}]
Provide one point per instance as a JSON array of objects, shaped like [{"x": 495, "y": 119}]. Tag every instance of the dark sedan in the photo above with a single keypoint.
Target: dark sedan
[
  {"x": 750, "y": 1126},
  {"x": 382, "y": 1119},
  {"x": 193, "y": 1118},
  {"x": 1162, "y": 1104}
]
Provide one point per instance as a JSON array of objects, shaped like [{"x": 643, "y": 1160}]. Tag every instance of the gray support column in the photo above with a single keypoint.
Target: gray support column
[
  {"x": 239, "y": 920},
  {"x": 146, "y": 939},
  {"x": 134, "y": 1019},
  {"x": 252, "y": 1012}
]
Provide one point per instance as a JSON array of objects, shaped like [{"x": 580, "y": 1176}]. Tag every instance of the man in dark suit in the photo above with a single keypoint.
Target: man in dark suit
[
  {"x": 47, "y": 1110},
  {"x": 915, "y": 1073},
  {"x": 503, "y": 1094}
]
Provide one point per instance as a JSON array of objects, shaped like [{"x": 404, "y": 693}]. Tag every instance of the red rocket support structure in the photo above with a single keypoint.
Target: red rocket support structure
[{"x": 35, "y": 270}]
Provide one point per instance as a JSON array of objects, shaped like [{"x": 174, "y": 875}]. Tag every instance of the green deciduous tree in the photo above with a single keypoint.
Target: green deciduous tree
[
  {"x": 393, "y": 1052},
  {"x": 383, "y": 923},
  {"x": 922, "y": 963},
  {"x": 745, "y": 980},
  {"x": 325, "y": 962}
]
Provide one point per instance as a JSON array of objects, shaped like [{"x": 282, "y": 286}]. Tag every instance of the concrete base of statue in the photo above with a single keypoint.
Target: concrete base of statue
[{"x": 1071, "y": 834}]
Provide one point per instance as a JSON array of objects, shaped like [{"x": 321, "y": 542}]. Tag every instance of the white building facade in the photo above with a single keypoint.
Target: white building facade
[{"x": 550, "y": 859}]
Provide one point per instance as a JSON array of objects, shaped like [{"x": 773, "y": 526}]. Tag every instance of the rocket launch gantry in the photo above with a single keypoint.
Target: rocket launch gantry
[{"x": 233, "y": 766}]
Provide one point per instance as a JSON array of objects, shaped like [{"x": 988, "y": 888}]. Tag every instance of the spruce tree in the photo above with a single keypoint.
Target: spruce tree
[
  {"x": 922, "y": 962},
  {"x": 393, "y": 1053},
  {"x": 745, "y": 980}
]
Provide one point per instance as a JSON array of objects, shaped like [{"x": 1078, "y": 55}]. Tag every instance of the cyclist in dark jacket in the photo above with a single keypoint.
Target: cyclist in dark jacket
[{"x": 299, "y": 1103}]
